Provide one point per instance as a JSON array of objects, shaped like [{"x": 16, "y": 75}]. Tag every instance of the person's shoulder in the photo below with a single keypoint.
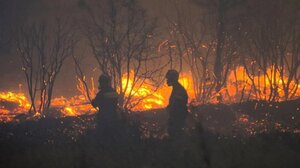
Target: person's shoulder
[
  {"x": 179, "y": 91},
  {"x": 99, "y": 93},
  {"x": 182, "y": 91},
  {"x": 181, "y": 88},
  {"x": 111, "y": 93}
]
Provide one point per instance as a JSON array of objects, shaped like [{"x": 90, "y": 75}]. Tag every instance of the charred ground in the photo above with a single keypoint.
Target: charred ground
[{"x": 251, "y": 134}]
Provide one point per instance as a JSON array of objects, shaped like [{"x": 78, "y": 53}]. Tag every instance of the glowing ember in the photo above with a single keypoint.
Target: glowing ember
[{"x": 244, "y": 118}]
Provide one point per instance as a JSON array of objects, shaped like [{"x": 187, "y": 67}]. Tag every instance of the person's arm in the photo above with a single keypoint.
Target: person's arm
[
  {"x": 168, "y": 108},
  {"x": 171, "y": 104},
  {"x": 97, "y": 100},
  {"x": 178, "y": 99}
]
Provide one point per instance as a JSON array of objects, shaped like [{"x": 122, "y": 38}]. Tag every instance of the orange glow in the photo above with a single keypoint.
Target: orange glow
[
  {"x": 18, "y": 98},
  {"x": 76, "y": 105},
  {"x": 145, "y": 96},
  {"x": 238, "y": 83},
  {"x": 142, "y": 96},
  {"x": 12, "y": 104}
]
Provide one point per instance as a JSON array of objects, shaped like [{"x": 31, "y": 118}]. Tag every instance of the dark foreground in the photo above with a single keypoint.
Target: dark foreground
[{"x": 253, "y": 134}]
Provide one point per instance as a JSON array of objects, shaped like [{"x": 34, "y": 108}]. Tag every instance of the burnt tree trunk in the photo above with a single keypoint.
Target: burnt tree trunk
[{"x": 219, "y": 49}]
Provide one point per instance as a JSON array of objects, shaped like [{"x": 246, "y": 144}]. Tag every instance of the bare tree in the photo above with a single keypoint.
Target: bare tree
[
  {"x": 195, "y": 35},
  {"x": 43, "y": 49},
  {"x": 121, "y": 38},
  {"x": 221, "y": 18},
  {"x": 191, "y": 46},
  {"x": 83, "y": 85},
  {"x": 272, "y": 41}
]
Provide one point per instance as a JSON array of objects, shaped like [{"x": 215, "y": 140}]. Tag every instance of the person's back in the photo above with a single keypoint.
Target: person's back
[{"x": 106, "y": 101}]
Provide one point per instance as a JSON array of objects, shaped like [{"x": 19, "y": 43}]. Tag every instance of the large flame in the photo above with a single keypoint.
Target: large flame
[
  {"x": 143, "y": 97},
  {"x": 12, "y": 104},
  {"x": 243, "y": 86}
]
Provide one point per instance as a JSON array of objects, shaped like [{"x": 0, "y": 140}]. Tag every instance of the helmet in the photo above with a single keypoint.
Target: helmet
[
  {"x": 104, "y": 80},
  {"x": 172, "y": 75}
]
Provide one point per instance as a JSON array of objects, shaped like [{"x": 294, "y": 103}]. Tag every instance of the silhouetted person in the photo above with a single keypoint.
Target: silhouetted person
[
  {"x": 177, "y": 107},
  {"x": 107, "y": 102}
]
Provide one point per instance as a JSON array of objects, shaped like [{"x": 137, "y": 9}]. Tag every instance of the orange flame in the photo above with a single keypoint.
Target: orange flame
[
  {"x": 145, "y": 96},
  {"x": 238, "y": 83},
  {"x": 12, "y": 104}
]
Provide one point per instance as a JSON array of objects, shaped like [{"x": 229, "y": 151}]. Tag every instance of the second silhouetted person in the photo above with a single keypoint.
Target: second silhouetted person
[{"x": 177, "y": 107}]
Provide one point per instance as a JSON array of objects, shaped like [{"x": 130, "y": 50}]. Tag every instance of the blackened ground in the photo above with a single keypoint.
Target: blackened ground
[{"x": 251, "y": 134}]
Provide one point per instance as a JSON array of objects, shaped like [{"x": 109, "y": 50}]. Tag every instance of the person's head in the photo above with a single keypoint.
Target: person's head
[
  {"x": 172, "y": 77},
  {"x": 104, "y": 81}
]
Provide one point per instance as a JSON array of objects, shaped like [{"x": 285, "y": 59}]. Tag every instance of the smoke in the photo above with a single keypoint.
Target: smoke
[{"x": 14, "y": 13}]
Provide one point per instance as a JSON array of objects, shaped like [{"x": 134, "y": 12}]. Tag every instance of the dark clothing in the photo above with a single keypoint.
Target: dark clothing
[
  {"x": 177, "y": 109},
  {"x": 107, "y": 102}
]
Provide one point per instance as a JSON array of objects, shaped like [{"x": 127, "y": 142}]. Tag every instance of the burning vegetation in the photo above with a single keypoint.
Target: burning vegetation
[
  {"x": 216, "y": 66},
  {"x": 239, "y": 88},
  {"x": 238, "y": 60}
]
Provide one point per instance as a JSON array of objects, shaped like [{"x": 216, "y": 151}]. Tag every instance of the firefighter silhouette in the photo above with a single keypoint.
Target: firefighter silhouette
[
  {"x": 177, "y": 107},
  {"x": 106, "y": 101}
]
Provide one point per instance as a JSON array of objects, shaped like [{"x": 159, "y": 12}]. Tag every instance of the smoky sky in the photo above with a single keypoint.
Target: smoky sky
[{"x": 14, "y": 13}]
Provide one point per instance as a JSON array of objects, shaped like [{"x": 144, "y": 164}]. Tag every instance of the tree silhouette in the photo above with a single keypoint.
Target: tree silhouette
[{"x": 43, "y": 49}]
